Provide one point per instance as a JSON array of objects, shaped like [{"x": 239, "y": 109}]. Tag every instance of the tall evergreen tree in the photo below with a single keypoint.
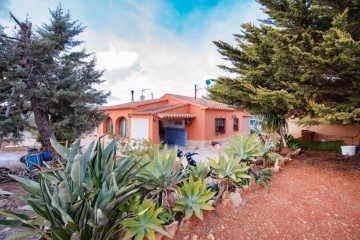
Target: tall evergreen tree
[
  {"x": 52, "y": 79},
  {"x": 303, "y": 61}
]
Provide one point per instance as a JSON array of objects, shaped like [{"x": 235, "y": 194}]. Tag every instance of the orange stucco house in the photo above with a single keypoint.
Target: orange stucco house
[{"x": 175, "y": 119}]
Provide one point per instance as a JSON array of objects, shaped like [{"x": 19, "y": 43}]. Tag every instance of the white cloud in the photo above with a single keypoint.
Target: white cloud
[
  {"x": 138, "y": 52},
  {"x": 116, "y": 59}
]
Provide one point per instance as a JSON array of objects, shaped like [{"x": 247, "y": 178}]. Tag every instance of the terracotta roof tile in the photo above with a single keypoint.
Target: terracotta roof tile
[
  {"x": 134, "y": 104},
  {"x": 207, "y": 104},
  {"x": 161, "y": 108}
]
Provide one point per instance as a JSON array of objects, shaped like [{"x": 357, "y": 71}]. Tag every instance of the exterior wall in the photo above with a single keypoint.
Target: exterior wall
[
  {"x": 246, "y": 125},
  {"x": 350, "y": 134},
  {"x": 115, "y": 116},
  {"x": 196, "y": 130},
  {"x": 228, "y": 115}
]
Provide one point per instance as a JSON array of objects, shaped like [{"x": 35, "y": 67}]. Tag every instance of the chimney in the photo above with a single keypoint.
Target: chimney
[{"x": 132, "y": 95}]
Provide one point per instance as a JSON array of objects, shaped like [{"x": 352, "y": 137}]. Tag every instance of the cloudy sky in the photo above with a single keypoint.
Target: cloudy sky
[{"x": 162, "y": 45}]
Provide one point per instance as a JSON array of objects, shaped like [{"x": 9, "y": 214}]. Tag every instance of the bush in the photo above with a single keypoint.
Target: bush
[{"x": 320, "y": 145}]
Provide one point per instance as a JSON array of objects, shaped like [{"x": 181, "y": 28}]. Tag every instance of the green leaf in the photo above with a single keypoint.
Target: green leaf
[
  {"x": 39, "y": 210},
  {"x": 158, "y": 229},
  {"x": 22, "y": 235},
  {"x": 27, "y": 182},
  {"x": 60, "y": 233},
  {"x": 130, "y": 233},
  {"x": 2, "y": 192},
  {"x": 14, "y": 215}
]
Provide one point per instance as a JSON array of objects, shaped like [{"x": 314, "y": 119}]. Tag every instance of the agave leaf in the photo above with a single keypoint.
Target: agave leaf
[
  {"x": 206, "y": 196},
  {"x": 19, "y": 224},
  {"x": 140, "y": 235},
  {"x": 63, "y": 151},
  {"x": 2, "y": 192},
  {"x": 130, "y": 233},
  {"x": 39, "y": 210},
  {"x": 14, "y": 215},
  {"x": 22, "y": 235},
  {"x": 206, "y": 206},
  {"x": 243, "y": 175},
  {"x": 76, "y": 170},
  {"x": 158, "y": 229},
  {"x": 60, "y": 233},
  {"x": 64, "y": 193},
  {"x": 28, "y": 182}
]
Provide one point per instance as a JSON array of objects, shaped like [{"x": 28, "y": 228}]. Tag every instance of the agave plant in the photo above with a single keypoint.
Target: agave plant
[
  {"x": 243, "y": 147},
  {"x": 145, "y": 223},
  {"x": 193, "y": 198},
  {"x": 264, "y": 177},
  {"x": 160, "y": 176},
  {"x": 80, "y": 199},
  {"x": 229, "y": 170},
  {"x": 201, "y": 170}
]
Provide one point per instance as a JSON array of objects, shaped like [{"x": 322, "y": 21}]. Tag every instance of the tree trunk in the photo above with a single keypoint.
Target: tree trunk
[{"x": 44, "y": 128}]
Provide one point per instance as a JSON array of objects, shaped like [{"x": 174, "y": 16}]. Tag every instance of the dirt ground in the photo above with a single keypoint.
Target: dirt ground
[{"x": 316, "y": 196}]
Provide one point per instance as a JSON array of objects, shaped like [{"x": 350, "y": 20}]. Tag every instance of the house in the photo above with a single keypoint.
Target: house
[{"x": 175, "y": 119}]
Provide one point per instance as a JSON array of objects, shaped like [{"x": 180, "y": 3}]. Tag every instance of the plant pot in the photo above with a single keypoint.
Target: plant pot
[{"x": 348, "y": 150}]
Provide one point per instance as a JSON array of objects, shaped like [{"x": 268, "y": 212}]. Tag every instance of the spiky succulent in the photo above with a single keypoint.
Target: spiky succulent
[
  {"x": 229, "y": 169},
  {"x": 145, "y": 223},
  {"x": 193, "y": 198}
]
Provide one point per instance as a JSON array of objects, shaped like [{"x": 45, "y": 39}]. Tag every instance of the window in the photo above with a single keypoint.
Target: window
[
  {"x": 109, "y": 126},
  {"x": 123, "y": 127},
  {"x": 236, "y": 124},
  {"x": 219, "y": 125}
]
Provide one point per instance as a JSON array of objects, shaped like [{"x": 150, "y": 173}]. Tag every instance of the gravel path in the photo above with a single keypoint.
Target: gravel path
[{"x": 316, "y": 196}]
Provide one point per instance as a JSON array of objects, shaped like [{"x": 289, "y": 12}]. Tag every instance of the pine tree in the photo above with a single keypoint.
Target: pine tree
[
  {"x": 52, "y": 79},
  {"x": 303, "y": 61}
]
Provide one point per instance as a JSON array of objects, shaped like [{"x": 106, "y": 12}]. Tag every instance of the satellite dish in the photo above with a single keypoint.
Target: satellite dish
[
  {"x": 142, "y": 97},
  {"x": 208, "y": 82}
]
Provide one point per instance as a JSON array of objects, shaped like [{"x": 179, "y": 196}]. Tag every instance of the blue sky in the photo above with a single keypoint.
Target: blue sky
[{"x": 162, "y": 45}]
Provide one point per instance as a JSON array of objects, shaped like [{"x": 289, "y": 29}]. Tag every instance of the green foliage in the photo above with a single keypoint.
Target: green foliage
[
  {"x": 52, "y": 76},
  {"x": 271, "y": 157},
  {"x": 264, "y": 177},
  {"x": 159, "y": 175},
  {"x": 229, "y": 170},
  {"x": 291, "y": 142},
  {"x": 81, "y": 199},
  {"x": 201, "y": 171},
  {"x": 295, "y": 62},
  {"x": 320, "y": 145},
  {"x": 193, "y": 198},
  {"x": 244, "y": 147},
  {"x": 145, "y": 223},
  {"x": 137, "y": 147}
]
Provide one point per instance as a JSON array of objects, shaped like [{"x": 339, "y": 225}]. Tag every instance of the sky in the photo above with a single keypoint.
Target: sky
[{"x": 164, "y": 46}]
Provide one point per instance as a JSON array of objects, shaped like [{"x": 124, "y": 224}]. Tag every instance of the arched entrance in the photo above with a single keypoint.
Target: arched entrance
[
  {"x": 109, "y": 126},
  {"x": 123, "y": 127}
]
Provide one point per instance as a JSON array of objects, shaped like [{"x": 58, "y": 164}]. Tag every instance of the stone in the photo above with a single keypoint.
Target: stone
[
  {"x": 210, "y": 236},
  {"x": 235, "y": 199},
  {"x": 172, "y": 228},
  {"x": 195, "y": 237}
]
